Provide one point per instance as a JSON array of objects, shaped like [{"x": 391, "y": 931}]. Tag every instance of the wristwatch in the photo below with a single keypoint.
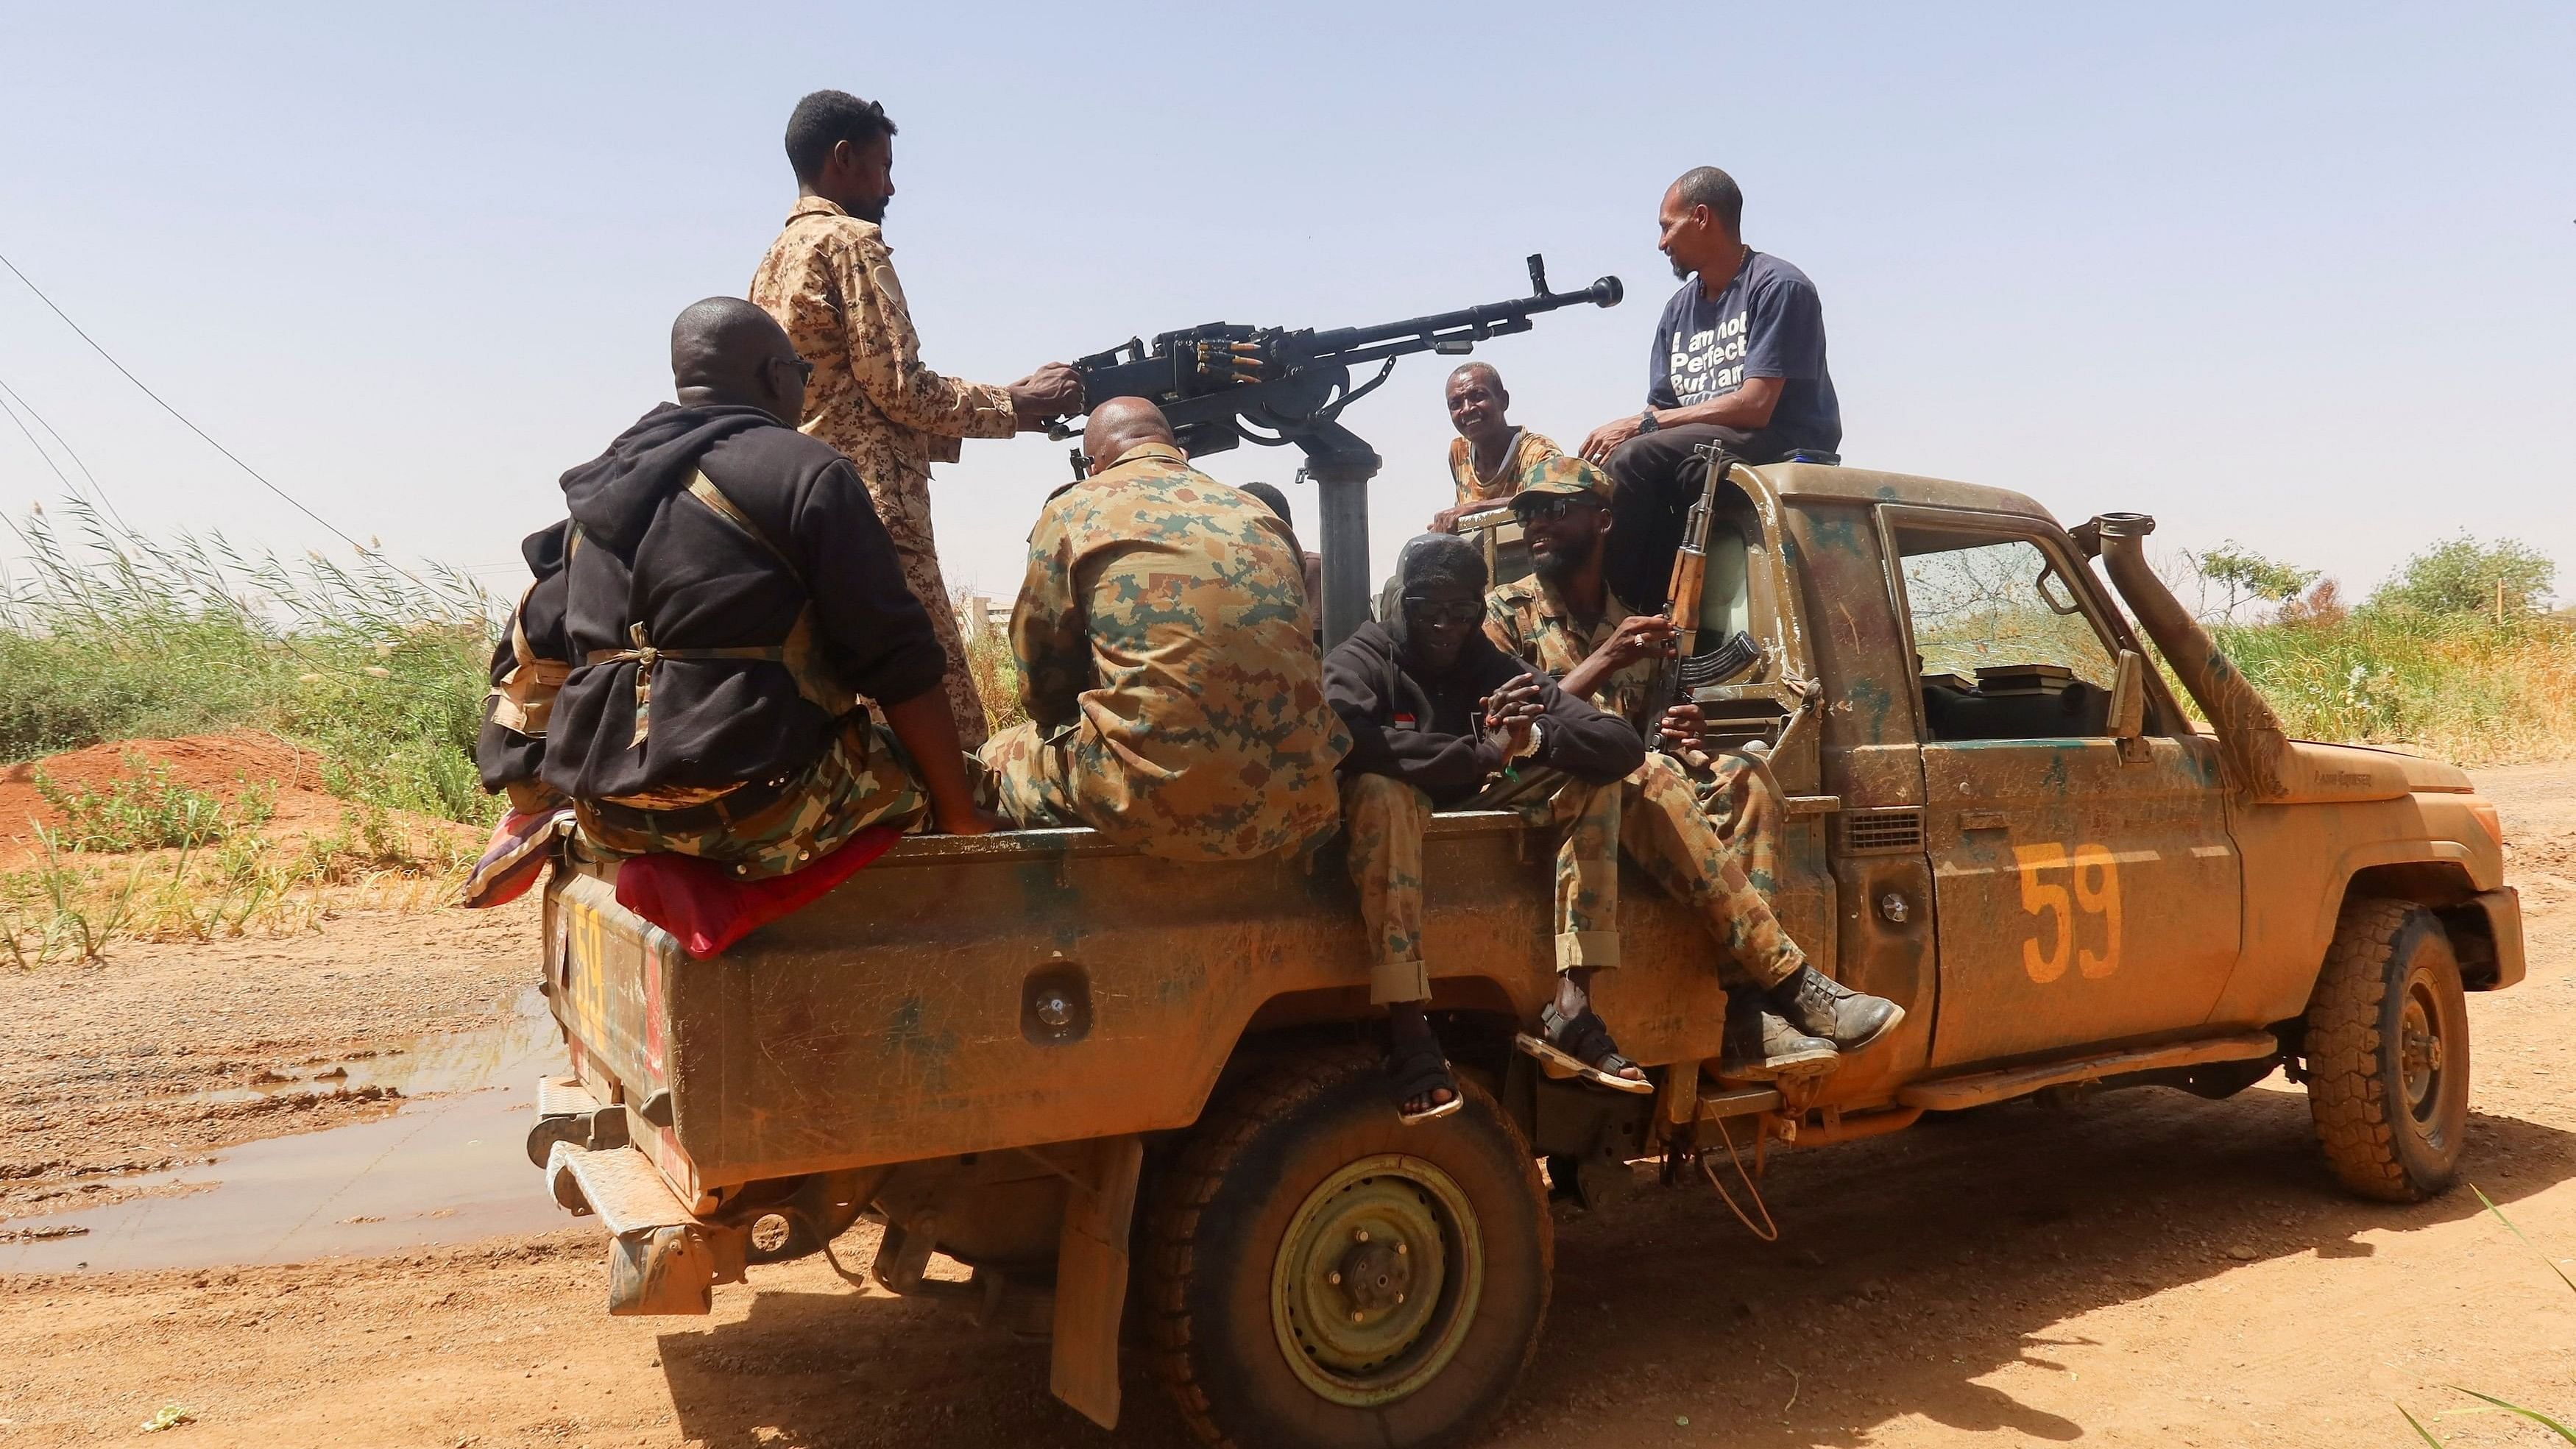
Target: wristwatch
[{"x": 1646, "y": 421}]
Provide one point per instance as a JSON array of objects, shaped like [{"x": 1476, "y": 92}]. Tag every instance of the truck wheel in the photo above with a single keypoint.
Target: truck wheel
[
  {"x": 2388, "y": 1053},
  {"x": 1321, "y": 1276}
]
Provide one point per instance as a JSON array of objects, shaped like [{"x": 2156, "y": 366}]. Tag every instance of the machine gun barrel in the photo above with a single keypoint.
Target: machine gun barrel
[{"x": 1216, "y": 380}]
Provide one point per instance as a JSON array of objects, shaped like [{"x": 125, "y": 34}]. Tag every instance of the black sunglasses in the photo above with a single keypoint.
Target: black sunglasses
[
  {"x": 1454, "y": 611},
  {"x": 1551, "y": 506},
  {"x": 803, "y": 368}
]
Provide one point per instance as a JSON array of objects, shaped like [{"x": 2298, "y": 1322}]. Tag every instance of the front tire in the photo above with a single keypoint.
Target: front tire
[
  {"x": 1323, "y": 1277},
  {"x": 2388, "y": 1053}
]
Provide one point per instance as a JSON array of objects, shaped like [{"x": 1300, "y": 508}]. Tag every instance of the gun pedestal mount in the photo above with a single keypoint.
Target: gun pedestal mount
[{"x": 1212, "y": 381}]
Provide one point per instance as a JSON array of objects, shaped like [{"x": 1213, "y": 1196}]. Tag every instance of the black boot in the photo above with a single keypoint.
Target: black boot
[
  {"x": 1761, "y": 1047},
  {"x": 1819, "y": 1006}
]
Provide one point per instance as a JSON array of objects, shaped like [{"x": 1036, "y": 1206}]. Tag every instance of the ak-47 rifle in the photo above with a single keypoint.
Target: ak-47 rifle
[
  {"x": 1688, "y": 669},
  {"x": 1220, "y": 384}
]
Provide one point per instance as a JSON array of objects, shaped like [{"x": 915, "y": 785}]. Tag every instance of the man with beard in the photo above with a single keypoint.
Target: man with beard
[
  {"x": 1566, "y": 621},
  {"x": 1437, "y": 713},
  {"x": 829, "y": 280},
  {"x": 1739, "y": 359},
  {"x": 1489, "y": 455},
  {"x": 730, "y": 606}
]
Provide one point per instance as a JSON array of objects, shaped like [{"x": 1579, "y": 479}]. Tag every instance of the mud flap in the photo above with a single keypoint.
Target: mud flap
[
  {"x": 1091, "y": 1276},
  {"x": 662, "y": 1259}
]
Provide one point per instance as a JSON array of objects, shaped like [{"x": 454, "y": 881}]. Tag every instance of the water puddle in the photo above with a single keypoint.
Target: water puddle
[{"x": 444, "y": 1168}]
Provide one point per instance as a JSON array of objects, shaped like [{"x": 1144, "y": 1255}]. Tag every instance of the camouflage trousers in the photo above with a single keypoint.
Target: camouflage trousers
[
  {"x": 1654, "y": 815},
  {"x": 767, "y": 830},
  {"x": 1383, "y": 819},
  {"x": 921, "y": 574},
  {"x": 1023, "y": 777}
]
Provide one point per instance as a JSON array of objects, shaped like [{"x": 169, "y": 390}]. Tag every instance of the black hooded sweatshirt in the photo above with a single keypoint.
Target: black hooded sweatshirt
[
  {"x": 647, "y": 551},
  {"x": 1429, "y": 733},
  {"x": 505, "y": 756}
]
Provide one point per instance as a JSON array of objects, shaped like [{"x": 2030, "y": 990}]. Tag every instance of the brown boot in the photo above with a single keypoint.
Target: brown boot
[
  {"x": 1818, "y": 1005},
  {"x": 1762, "y": 1047}
]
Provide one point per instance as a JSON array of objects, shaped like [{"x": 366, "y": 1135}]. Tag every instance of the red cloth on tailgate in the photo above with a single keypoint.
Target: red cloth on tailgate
[{"x": 707, "y": 909}]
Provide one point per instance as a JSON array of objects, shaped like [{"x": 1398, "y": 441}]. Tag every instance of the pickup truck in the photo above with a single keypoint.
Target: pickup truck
[{"x": 1142, "y": 1102}]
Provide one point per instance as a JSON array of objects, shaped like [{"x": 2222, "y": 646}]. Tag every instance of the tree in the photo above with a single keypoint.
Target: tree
[
  {"x": 2249, "y": 577},
  {"x": 2462, "y": 575}
]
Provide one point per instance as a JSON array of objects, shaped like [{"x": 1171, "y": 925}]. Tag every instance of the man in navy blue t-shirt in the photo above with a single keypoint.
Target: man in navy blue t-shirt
[{"x": 1739, "y": 359}]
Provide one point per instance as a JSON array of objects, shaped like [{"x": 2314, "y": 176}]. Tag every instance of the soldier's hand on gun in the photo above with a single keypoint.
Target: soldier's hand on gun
[
  {"x": 1639, "y": 636},
  {"x": 1511, "y": 712},
  {"x": 1053, "y": 391},
  {"x": 1683, "y": 728},
  {"x": 1605, "y": 439}
]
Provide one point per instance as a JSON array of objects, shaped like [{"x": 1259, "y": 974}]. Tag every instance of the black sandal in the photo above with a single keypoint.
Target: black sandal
[
  {"x": 1580, "y": 1046},
  {"x": 1418, "y": 1070}
]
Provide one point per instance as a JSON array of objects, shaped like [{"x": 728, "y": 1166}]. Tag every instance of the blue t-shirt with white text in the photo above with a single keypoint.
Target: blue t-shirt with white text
[{"x": 1766, "y": 322}]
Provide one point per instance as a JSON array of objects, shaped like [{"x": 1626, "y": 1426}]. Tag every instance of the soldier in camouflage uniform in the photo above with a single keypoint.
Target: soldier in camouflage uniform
[
  {"x": 829, "y": 280},
  {"x": 1167, "y": 661},
  {"x": 730, "y": 610},
  {"x": 1565, "y": 621}
]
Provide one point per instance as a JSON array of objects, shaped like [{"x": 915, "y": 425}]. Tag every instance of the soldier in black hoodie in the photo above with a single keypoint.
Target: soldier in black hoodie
[
  {"x": 1437, "y": 714},
  {"x": 731, "y": 605}
]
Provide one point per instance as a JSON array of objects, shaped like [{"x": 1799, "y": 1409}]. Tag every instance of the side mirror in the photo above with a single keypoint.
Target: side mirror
[{"x": 2129, "y": 703}]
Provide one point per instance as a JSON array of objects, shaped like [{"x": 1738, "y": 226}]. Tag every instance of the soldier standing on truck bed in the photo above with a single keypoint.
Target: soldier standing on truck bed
[
  {"x": 1566, "y": 621},
  {"x": 1739, "y": 359},
  {"x": 1437, "y": 714},
  {"x": 829, "y": 280},
  {"x": 1489, "y": 455},
  {"x": 731, "y": 603},
  {"x": 1167, "y": 660}
]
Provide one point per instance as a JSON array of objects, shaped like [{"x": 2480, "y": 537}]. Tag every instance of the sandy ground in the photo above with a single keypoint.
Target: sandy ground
[{"x": 2144, "y": 1268}]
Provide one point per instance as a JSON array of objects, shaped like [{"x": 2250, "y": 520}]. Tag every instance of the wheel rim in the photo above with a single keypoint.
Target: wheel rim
[
  {"x": 1377, "y": 1280},
  {"x": 2425, "y": 1055}
]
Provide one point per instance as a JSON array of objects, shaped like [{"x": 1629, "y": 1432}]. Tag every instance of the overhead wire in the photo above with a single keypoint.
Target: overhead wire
[
  {"x": 256, "y": 476},
  {"x": 97, "y": 491}
]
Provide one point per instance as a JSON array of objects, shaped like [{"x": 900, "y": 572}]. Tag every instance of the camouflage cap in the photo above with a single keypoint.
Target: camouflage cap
[{"x": 1562, "y": 473}]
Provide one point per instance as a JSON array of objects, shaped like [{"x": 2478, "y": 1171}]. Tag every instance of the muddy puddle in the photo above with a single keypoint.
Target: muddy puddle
[{"x": 450, "y": 1165}]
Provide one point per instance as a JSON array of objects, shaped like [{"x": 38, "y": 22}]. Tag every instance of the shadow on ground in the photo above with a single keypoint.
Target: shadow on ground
[{"x": 1908, "y": 1268}]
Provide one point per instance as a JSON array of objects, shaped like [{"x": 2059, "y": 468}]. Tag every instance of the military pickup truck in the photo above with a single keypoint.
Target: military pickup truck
[{"x": 1139, "y": 1103}]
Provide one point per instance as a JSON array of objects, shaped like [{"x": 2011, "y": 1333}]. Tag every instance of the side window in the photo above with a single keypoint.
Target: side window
[{"x": 2002, "y": 645}]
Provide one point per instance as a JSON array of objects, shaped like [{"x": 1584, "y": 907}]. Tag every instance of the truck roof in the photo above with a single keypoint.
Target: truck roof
[{"x": 1863, "y": 485}]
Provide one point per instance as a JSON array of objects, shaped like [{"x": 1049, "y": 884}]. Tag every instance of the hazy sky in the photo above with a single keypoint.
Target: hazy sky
[{"x": 2302, "y": 280}]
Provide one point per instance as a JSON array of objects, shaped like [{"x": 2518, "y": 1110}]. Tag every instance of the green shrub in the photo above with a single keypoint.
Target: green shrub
[
  {"x": 147, "y": 810},
  {"x": 111, "y": 635}
]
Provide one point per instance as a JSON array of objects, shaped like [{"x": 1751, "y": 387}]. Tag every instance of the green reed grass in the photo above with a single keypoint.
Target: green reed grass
[{"x": 107, "y": 634}]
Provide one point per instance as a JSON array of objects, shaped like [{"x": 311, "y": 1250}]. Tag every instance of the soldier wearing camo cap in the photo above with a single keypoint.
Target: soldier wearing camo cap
[
  {"x": 1564, "y": 621},
  {"x": 1167, "y": 660}
]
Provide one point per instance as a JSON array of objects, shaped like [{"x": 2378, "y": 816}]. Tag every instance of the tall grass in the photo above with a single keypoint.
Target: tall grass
[
  {"x": 107, "y": 634},
  {"x": 2462, "y": 686}
]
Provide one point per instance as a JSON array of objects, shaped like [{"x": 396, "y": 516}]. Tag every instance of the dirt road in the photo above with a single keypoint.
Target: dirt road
[{"x": 2144, "y": 1268}]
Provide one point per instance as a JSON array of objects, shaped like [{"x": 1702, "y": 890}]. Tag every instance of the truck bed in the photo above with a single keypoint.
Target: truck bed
[{"x": 968, "y": 994}]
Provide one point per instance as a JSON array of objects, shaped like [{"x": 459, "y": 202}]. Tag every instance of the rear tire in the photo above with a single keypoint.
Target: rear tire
[
  {"x": 1320, "y": 1276},
  {"x": 2388, "y": 1053}
]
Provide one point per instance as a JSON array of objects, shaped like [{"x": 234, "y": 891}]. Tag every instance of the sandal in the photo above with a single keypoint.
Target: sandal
[
  {"x": 1580, "y": 1046},
  {"x": 1418, "y": 1070}
]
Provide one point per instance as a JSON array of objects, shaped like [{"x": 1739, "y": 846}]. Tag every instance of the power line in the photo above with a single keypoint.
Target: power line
[
  {"x": 210, "y": 442},
  {"x": 97, "y": 491}
]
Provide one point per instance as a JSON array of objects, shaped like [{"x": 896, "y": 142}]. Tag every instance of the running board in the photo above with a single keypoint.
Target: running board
[{"x": 1952, "y": 1094}]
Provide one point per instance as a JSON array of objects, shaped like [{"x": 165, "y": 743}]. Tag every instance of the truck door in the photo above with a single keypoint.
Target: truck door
[{"x": 2083, "y": 893}]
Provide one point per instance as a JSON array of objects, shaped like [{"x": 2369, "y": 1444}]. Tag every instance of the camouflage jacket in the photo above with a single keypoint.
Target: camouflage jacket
[
  {"x": 1163, "y": 626},
  {"x": 1527, "y": 448},
  {"x": 829, "y": 280},
  {"x": 1526, "y": 618}
]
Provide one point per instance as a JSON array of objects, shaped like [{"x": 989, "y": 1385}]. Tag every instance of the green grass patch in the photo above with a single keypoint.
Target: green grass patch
[{"x": 109, "y": 635}]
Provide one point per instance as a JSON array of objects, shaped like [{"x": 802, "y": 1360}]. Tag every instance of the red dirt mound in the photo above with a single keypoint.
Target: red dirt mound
[{"x": 222, "y": 765}]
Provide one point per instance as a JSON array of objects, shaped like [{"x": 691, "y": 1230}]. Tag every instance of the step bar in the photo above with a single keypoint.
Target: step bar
[
  {"x": 1978, "y": 1089},
  {"x": 662, "y": 1258}
]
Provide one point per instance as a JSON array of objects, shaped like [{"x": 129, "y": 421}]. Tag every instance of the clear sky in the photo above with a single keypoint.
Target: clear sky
[{"x": 2301, "y": 276}]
